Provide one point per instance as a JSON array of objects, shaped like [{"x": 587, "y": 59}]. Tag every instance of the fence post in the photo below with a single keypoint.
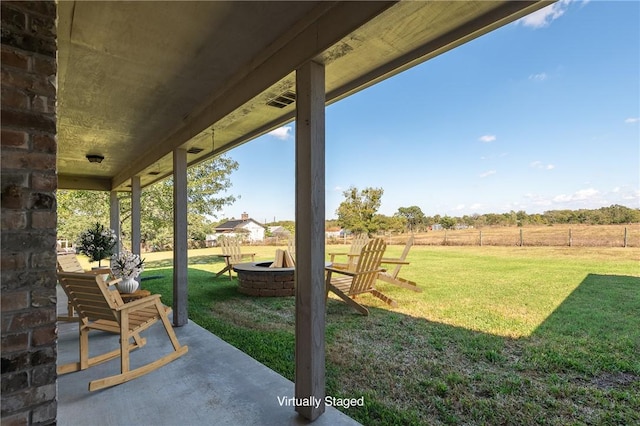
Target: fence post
[
  {"x": 521, "y": 242},
  {"x": 570, "y": 238},
  {"x": 480, "y": 238},
  {"x": 625, "y": 237}
]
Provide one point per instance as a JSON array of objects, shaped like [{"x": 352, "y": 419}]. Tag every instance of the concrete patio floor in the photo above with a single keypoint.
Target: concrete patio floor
[{"x": 213, "y": 384}]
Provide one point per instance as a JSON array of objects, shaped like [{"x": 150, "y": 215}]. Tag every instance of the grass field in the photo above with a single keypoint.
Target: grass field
[{"x": 500, "y": 335}]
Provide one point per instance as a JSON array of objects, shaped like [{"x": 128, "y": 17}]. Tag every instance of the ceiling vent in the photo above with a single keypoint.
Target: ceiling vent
[
  {"x": 285, "y": 99},
  {"x": 194, "y": 150},
  {"x": 154, "y": 173}
]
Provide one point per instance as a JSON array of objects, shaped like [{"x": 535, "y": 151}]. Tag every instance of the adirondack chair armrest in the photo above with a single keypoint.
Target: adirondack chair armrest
[
  {"x": 333, "y": 255},
  {"x": 394, "y": 261},
  {"x": 140, "y": 303},
  {"x": 99, "y": 271},
  {"x": 351, "y": 273}
]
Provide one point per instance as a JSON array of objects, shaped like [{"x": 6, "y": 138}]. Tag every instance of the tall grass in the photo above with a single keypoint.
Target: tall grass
[{"x": 521, "y": 335}]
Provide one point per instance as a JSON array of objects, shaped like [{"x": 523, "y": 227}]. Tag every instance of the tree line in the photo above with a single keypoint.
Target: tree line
[{"x": 359, "y": 213}]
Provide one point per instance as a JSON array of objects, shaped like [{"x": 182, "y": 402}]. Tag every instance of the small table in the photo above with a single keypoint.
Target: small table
[{"x": 138, "y": 294}]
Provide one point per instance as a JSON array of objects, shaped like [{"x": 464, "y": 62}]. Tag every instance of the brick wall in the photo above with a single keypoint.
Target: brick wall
[{"x": 28, "y": 212}]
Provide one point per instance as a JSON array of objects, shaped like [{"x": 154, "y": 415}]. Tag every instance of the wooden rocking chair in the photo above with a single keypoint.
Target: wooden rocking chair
[
  {"x": 232, "y": 255},
  {"x": 360, "y": 279},
  {"x": 392, "y": 277},
  {"x": 68, "y": 262},
  {"x": 100, "y": 308},
  {"x": 359, "y": 241}
]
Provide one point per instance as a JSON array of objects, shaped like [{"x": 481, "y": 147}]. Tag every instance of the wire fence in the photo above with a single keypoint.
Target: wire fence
[{"x": 571, "y": 236}]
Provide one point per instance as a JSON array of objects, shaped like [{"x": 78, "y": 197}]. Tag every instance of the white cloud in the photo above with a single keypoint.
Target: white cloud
[
  {"x": 543, "y": 17},
  {"x": 616, "y": 189},
  {"x": 632, "y": 120},
  {"x": 338, "y": 189},
  {"x": 582, "y": 195},
  {"x": 538, "y": 77},
  {"x": 459, "y": 207},
  {"x": 541, "y": 165},
  {"x": 487, "y": 138},
  {"x": 283, "y": 133},
  {"x": 476, "y": 206},
  {"x": 488, "y": 173}
]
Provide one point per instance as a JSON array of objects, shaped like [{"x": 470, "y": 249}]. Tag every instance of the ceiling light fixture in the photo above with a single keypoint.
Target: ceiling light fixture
[{"x": 95, "y": 158}]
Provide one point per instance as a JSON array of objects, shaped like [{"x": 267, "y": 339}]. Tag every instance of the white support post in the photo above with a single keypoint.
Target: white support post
[
  {"x": 114, "y": 219},
  {"x": 180, "y": 314},
  {"x": 136, "y": 235},
  {"x": 310, "y": 216}
]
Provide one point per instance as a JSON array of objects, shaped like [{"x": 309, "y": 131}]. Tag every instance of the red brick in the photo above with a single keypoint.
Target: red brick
[
  {"x": 15, "y": 342},
  {"x": 14, "y": 301},
  {"x": 44, "y": 336},
  {"x": 44, "y": 182},
  {"x": 12, "y": 18},
  {"x": 19, "y": 419},
  {"x": 12, "y": 196},
  {"x": 22, "y": 160},
  {"x": 14, "y": 99},
  {"x": 13, "y": 219},
  {"x": 31, "y": 319},
  {"x": 33, "y": 83},
  {"x": 42, "y": 26},
  {"x": 14, "y": 139},
  {"x": 266, "y": 292},
  {"x": 25, "y": 120},
  {"x": 45, "y": 142},
  {"x": 11, "y": 262},
  {"x": 43, "y": 220},
  {"x": 13, "y": 58},
  {"x": 45, "y": 66},
  {"x": 285, "y": 292}
]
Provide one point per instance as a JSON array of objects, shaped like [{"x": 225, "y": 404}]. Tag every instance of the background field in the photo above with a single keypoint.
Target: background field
[
  {"x": 499, "y": 335},
  {"x": 556, "y": 235}
]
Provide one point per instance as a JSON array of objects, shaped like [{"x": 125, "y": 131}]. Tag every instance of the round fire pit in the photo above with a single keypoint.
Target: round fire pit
[{"x": 258, "y": 279}]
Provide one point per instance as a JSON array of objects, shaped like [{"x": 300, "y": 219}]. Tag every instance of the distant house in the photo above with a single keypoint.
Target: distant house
[
  {"x": 247, "y": 229},
  {"x": 333, "y": 232},
  {"x": 279, "y": 232}
]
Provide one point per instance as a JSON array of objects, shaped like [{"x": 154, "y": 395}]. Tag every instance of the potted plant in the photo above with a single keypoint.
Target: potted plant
[
  {"x": 127, "y": 266},
  {"x": 97, "y": 243}
]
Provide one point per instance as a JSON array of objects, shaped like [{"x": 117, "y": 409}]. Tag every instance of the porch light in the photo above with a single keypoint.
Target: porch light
[{"x": 95, "y": 158}]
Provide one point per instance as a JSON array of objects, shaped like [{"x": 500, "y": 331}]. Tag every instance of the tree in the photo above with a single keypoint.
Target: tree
[
  {"x": 448, "y": 222},
  {"x": 357, "y": 212},
  {"x": 413, "y": 215},
  {"x": 77, "y": 210}
]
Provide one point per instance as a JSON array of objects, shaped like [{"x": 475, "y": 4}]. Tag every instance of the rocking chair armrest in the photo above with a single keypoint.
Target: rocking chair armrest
[
  {"x": 113, "y": 282},
  {"x": 139, "y": 303}
]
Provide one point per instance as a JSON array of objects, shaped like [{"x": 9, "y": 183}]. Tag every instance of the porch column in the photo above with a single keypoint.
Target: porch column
[
  {"x": 310, "y": 289},
  {"x": 136, "y": 193},
  {"x": 180, "y": 315},
  {"x": 114, "y": 219}
]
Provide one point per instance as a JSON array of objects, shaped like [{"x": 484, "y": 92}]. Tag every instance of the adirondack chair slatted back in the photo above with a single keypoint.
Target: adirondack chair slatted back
[
  {"x": 291, "y": 247},
  {"x": 402, "y": 257},
  {"x": 90, "y": 295},
  {"x": 369, "y": 260},
  {"x": 231, "y": 248},
  {"x": 359, "y": 241},
  {"x": 69, "y": 263}
]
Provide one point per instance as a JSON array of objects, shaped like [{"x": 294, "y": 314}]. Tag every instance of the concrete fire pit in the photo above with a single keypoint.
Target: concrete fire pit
[{"x": 258, "y": 279}]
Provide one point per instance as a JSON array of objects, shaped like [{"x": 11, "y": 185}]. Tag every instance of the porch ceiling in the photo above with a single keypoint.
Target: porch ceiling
[{"x": 137, "y": 80}]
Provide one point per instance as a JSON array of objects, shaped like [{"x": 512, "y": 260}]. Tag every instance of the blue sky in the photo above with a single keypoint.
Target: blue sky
[{"x": 542, "y": 114}]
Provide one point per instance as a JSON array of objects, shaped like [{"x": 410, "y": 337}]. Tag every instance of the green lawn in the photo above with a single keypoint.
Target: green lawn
[{"x": 498, "y": 336}]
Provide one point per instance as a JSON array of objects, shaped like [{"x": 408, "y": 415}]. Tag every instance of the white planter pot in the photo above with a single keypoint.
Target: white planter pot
[{"x": 127, "y": 285}]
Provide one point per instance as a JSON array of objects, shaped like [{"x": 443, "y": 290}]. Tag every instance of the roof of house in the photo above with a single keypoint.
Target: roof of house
[{"x": 233, "y": 224}]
